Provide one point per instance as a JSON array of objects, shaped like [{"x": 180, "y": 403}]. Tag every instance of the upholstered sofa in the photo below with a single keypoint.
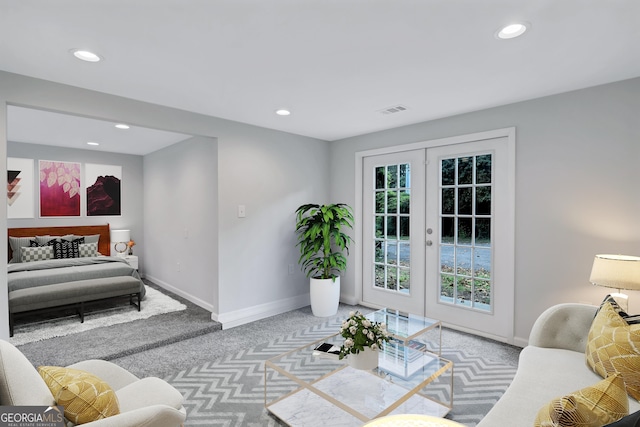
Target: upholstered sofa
[
  {"x": 142, "y": 402},
  {"x": 552, "y": 365}
]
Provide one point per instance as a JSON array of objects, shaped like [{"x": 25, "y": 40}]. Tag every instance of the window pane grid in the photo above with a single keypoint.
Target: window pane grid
[
  {"x": 392, "y": 198},
  {"x": 465, "y": 239}
]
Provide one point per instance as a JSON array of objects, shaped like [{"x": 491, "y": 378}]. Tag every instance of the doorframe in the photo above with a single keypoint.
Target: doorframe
[{"x": 510, "y": 134}]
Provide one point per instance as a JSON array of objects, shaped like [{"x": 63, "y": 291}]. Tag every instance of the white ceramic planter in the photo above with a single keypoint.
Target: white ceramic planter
[
  {"x": 325, "y": 296},
  {"x": 366, "y": 359}
]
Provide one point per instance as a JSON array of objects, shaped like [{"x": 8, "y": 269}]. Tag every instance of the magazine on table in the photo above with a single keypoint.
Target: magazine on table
[{"x": 327, "y": 350}]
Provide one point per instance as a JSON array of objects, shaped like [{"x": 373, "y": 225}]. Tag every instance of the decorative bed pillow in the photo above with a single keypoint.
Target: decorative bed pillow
[
  {"x": 66, "y": 249},
  {"x": 93, "y": 238},
  {"x": 613, "y": 346},
  {"x": 16, "y": 243},
  {"x": 594, "y": 406},
  {"x": 37, "y": 253},
  {"x": 84, "y": 396},
  {"x": 88, "y": 249}
]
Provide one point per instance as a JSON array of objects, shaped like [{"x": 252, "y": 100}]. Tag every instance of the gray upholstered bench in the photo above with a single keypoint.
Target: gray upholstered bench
[{"x": 74, "y": 294}]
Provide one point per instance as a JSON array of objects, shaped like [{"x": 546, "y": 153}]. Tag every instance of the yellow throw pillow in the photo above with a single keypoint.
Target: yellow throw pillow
[
  {"x": 84, "y": 396},
  {"x": 614, "y": 346},
  {"x": 594, "y": 406}
]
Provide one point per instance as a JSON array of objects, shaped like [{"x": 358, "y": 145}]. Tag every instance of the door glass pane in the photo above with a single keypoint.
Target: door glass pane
[
  {"x": 405, "y": 201},
  {"x": 379, "y": 226},
  {"x": 405, "y": 179},
  {"x": 379, "y": 252},
  {"x": 392, "y": 176},
  {"x": 391, "y": 227},
  {"x": 380, "y": 202},
  {"x": 464, "y": 201},
  {"x": 392, "y": 253},
  {"x": 392, "y": 202},
  {"x": 483, "y": 200},
  {"x": 448, "y": 171},
  {"x": 448, "y": 230},
  {"x": 392, "y": 259},
  {"x": 464, "y": 231},
  {"x": 379, "y": 274},
  {"x": 465, "y": 170},
  {"x": 380, "y": 175},
  {"x": 465, "y": 240},
  {"x": 404, "y": 228},
  {"x": 404, "y": 280},
  {"x": 463, "y": 261},
  {"x": 483, "y": 169}
]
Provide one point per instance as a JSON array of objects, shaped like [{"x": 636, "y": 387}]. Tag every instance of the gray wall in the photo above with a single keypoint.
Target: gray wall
[
  {"x": 577, "y": 179},
  {"x": 180, "y": 227},
  {"x": 293, "y": 171},
  {"x": 132, "y": 185}
]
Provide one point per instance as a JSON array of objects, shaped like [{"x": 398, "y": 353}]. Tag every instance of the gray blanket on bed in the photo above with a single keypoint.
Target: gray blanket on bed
[{"x": 38, "y": 273}]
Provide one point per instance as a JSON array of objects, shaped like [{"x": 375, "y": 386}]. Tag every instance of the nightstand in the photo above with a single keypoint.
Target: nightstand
[{"x": 132, "y": 260}]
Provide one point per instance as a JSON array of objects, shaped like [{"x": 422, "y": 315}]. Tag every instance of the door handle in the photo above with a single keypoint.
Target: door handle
[{"x": 429, "y": 243}]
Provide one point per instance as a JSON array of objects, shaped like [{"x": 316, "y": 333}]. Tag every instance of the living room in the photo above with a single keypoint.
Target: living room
[{"x": 575, "y": 185}]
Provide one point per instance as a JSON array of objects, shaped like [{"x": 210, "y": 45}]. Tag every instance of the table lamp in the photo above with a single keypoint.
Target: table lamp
[
  {"x": 120, "y": 240},
  {"x": 618, "y": 272}
]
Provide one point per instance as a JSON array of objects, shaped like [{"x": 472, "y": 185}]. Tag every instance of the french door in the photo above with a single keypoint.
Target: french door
[
  {"x": 393, "y": 217},
  {"x": 437, "y": 229}
]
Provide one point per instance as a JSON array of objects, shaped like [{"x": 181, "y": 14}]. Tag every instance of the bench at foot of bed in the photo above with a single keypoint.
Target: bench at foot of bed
[{"x": 73, "y": 294}]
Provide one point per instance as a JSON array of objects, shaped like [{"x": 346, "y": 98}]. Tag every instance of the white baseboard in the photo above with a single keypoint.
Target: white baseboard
[
  {"x": 197, "y": 301},
  {"x": 349, "y": 299},
  {"x": 257, "y": 312}
]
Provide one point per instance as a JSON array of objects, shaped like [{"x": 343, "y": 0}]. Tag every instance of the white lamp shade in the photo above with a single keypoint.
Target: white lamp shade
[
  {"x": 616, "y": 271},
  {"x": 118, "y": 236}
]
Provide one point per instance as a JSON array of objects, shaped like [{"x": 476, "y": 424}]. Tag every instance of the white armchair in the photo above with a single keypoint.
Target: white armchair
[{"x": 143, "y": 402}]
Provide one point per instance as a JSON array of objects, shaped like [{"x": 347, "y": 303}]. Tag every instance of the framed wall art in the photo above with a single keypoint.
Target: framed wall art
[
  {"x": 103, "y": 189},
  {"x": 20, "y": 188},
  {"x": 59, "y": 188}
]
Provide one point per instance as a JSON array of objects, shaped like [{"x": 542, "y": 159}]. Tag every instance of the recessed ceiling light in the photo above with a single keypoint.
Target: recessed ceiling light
[
  {"x": 93, "y": 143},
  {"x": 283, "y": 112},
  {"x": 86, "y": 55},
  {"x": 512, "y": 30},
  {"x": 122, "y": 126}
]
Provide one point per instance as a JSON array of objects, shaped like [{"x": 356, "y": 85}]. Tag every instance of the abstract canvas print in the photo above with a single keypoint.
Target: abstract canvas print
[
  {"x": 59, "y": 188},
  {"x": 20, "y": 189},
  {"x": 103, "y": 189}
]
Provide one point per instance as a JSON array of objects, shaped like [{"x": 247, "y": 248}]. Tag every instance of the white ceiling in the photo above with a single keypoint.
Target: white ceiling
[
  {"x": 64, "y": 130},
  {"x": 334, "y": 63}
]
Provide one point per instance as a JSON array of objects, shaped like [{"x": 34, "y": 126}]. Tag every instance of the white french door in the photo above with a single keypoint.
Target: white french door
[
  {"x": 393, "y": 217},
  {"x": 437, "y": 230},
  {"x": 469, "y": 251}
]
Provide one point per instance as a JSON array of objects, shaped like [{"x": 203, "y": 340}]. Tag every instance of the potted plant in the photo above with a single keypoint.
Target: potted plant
[
  {"x": 322, "y": 242},
  {"x": 362, "y": 340}
]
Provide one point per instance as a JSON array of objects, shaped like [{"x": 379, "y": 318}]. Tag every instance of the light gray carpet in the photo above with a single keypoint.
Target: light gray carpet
[
  {"x": 220, "y": 372},
  {"x": 119, "y": 340}
]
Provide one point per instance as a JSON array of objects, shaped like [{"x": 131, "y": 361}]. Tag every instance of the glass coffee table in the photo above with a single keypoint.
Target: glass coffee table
[{"x": 303, "y": 389}]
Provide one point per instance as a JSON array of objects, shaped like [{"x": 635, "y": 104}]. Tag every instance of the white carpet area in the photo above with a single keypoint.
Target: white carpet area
[{"x": 153, "y": 304}]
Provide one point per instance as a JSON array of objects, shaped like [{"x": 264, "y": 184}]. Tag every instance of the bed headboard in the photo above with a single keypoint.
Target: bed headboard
[{"x": 104, "y": 244}]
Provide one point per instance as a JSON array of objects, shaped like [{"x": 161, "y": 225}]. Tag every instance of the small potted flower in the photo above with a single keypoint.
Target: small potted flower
[
  {"x": 130, "y": 245},
  {"x": 363, "y": 339}
]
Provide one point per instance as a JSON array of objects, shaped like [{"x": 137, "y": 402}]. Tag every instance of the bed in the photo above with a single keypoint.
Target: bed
[{"x": 54, "y": 267}]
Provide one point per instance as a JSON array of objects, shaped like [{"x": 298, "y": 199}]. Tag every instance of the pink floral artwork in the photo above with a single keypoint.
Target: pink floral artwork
[{"x": 59, "y": 188}]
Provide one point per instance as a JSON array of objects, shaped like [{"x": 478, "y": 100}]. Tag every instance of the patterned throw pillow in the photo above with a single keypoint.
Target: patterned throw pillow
[
  {"x": 595, "y": 406},
  {"x": 613, "y": 346},
  {"x": 88, "y": 249},
  {"x": 16, "y": 243},
  {"x": 84, "y": 396},
  {"x": 66, "y": 249},
  {"x": 38, "y": 253}
]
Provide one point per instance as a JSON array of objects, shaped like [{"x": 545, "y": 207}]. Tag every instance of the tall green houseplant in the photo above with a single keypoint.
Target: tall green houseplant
[{"x": 321, "y": 238}]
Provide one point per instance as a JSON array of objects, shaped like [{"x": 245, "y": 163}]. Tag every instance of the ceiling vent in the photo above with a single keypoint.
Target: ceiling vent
[{"x": 394, "y": 109}]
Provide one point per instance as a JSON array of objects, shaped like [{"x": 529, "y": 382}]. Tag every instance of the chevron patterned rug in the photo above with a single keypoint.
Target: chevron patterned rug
[{"x": 230, "y": 391}]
